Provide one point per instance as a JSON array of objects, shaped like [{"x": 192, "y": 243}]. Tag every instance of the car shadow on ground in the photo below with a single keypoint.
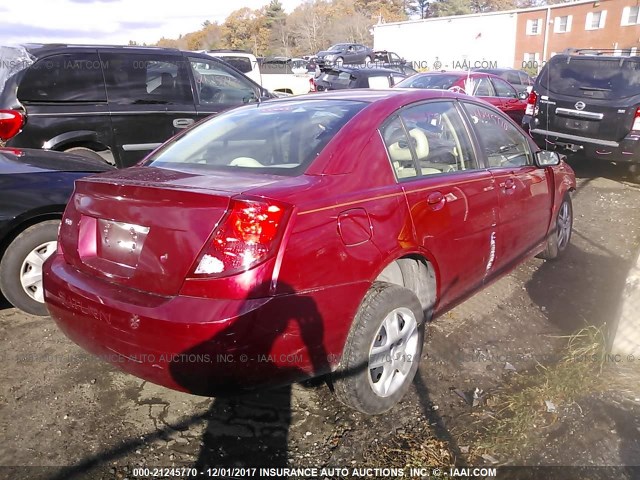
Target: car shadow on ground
[
  {"x": 582, "y": 289},
  {"x": 590, "y": 169}
]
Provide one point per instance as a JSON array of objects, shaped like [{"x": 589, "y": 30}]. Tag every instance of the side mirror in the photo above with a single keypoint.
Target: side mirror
[
  {"x": 523, "y": 95},
  {"x": 546, "y": 158}
]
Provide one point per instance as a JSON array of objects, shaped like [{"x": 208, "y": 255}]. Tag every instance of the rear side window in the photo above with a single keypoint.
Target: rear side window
[
  {"x": 146, "y": 79},
  {"x": 64, "y": 78},
  {"x": 592, "y": 76},
  {"x": 239, "y": 63},
  {"x": 280, "y": 138}
]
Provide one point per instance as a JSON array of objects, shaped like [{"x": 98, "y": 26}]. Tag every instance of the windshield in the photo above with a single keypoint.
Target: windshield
[
  {"x": 441, "y": 82},
  {"x": 338, "y": 47},
  {"x": 605, "y": 78},
  {"x": 12, "y": 61},
  {"x": 281, "y": 138}
]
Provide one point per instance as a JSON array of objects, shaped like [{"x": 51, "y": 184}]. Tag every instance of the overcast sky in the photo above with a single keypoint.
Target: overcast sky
[{"x": 112, "y": 21}]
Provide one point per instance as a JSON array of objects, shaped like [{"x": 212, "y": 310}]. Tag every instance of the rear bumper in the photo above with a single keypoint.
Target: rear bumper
[
  {"x": 198, "y": 345},
  {"x": 628, "y": 150}
]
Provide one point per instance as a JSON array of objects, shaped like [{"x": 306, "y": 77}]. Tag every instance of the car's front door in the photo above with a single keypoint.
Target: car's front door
[
  {"x": 524, "y": 190},
  {"x": 451, "y": 199},
  {"x": 511, "y": 104},
  {"x": 149, "y": 98},
  {"x": 218, "y": 88}
]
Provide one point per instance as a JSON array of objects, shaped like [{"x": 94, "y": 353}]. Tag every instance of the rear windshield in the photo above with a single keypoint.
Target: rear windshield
[
  {"x": 441, "y": 82},
  {"x": 606, "y": 78},
  {"x": 281, "y": 138},
  {"x": 240, "y": 63},
  {"x": 337, "y": 78}
]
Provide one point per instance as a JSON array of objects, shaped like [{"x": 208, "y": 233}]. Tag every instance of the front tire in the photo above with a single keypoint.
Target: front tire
[
  {"x": 339, "y": 61},
  {"x": 383, "y": 350},
  {"x": 559, "y": 239},
  {"x": 21, "y": 266}
]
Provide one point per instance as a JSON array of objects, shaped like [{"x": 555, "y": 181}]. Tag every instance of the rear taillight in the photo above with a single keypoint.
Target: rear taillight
[
  {"x": 636, "y": 121},
  {"x": 312, "y": 85},
  {"x": 248, "y": 235},
  {"x": 531, "y": 103},
  {"x": 11, "y": 122}
]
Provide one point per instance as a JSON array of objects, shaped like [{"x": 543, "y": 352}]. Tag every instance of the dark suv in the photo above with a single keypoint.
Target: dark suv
[
  {"x": 113, "y": 103},
  {"x": 588, "y": 102}
]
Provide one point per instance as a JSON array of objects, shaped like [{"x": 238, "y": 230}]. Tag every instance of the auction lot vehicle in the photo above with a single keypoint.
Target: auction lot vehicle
[
  {"x": 490, "y": 88},
  {"x": 518, "y": 79},
  {"x": 345, "y": 53},
  {"x": 277, "y": 75},
  {"x": 304, "y": 236},
  {"x": 35, "y": 186},
  {"x": 340, "y": 78},
  {"x": 111, "y": 103},
  {"x": 588, "y": 102}
]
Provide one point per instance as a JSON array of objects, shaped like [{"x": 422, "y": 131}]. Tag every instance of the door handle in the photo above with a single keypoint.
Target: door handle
[
  {"x": 508, "y": 184},
  {"x": 183, "y": 122},
  {"x": 436, "y": 200}
]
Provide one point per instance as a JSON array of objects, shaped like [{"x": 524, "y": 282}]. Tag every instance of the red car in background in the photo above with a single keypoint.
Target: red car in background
[
  {"x": 304, "y": 236},
  {"x": 488, "y": 87}
]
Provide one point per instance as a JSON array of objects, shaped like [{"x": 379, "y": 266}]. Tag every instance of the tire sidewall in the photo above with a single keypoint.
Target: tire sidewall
[
  {"x": 13, "y": 258},
  {"x": 380, "y": 300}
]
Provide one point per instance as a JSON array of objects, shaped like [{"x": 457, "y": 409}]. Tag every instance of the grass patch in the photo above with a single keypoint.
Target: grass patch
[{"x": 520, "y": 412}]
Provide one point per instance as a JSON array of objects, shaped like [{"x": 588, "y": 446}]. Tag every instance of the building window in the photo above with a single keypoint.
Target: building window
[
  {"x": 630, "y": 16},
  {"x": 595, "y": 20},
  {"x": 562, "y": 24},
  {"x": 534, "y": 27}
]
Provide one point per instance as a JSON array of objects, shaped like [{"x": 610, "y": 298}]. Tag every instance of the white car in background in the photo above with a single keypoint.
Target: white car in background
[{"x": 279, "y": 75}]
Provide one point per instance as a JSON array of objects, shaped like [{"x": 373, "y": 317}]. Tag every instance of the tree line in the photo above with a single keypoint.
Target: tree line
[{"x": 316, "y": 24}]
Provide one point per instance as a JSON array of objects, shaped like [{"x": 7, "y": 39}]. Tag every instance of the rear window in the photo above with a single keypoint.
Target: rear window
[
  {"x": 337, "y": 78},
  {"x": 281, "y": 138},
  {"x": 239, "y": 63},
  {"x": 605, "y": 78},
  {"x": 440, "y": 82}
]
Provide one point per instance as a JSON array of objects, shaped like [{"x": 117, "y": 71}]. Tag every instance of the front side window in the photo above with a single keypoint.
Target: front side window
[
  {"x": 502, "y": 142},
  {"x": 428, "y": 139},
  {"x": 146, "y": 79},
  {"x": 64, "y": 78},
  {"x": 503, "y": 89},
  {"x": 281, "y": 138},
  {"x": 217, "y": 84}
]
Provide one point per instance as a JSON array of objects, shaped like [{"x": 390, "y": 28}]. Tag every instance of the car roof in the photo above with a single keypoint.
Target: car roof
[
  {"x": 367, "y": 70},
  {"x": 39, "y": 49},
  {"x": 371, "y": 95}
]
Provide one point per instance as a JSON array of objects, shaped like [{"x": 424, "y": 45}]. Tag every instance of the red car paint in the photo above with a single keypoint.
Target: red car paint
[
  {"x": 497, "y": 91},
  {"x": 337, "y": 226}
]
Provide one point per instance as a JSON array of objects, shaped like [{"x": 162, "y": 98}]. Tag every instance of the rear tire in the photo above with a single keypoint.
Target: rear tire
[
  {"x": 383, "y": 350},
  {"x": 21, "y": 266},
  {"x": 87, "y": 153},
  {"x": 559, "y": 239}
]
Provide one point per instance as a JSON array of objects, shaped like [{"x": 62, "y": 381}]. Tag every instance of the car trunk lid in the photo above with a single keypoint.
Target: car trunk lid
[{"x": 144, "y": 227}]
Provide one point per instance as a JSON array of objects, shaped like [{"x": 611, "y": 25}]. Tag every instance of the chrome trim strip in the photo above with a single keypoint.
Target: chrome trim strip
[
  {"x": 136, "y": 147},
  {"x": 580, "y": 113},
  {"x": 595, "y": 141},
  {"x": 68, "y": 114}
]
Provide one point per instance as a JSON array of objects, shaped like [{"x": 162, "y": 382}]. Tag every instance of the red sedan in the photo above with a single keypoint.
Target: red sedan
[
  {"x": 486, "y": 86},
  {"x": 304, "y": 236}
]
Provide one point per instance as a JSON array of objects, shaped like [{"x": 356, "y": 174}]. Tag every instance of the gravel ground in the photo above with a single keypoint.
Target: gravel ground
[{"x": 64, "y": 414}]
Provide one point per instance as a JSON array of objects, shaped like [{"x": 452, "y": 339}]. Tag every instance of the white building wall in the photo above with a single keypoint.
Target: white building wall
[{"x": 452, "y": 43}]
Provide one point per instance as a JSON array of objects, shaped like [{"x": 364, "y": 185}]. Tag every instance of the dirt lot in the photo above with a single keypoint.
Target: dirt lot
[{"x": 66, "y": 415}]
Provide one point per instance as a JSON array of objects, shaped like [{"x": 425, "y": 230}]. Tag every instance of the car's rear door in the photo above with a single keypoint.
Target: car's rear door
[
  {"x": 451, "y": 198},
  {"x": 150, "y": 98},
  {"x": 524, "y": 191}
]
